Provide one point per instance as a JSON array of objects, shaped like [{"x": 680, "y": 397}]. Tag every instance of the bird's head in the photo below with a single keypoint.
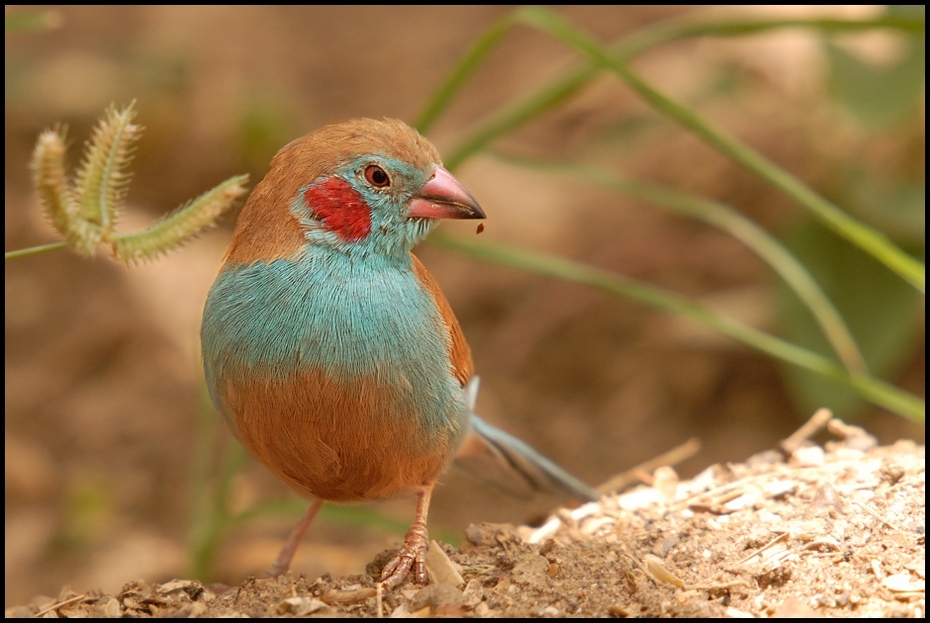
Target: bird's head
[{"x": 362, "y": 186}]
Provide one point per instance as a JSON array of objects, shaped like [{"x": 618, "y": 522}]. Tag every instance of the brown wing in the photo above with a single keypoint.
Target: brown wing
[{"x": 459, "y": 352}]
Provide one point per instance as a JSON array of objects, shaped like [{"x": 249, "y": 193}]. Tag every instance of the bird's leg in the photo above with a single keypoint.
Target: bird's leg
[
  {"x": 283, "y": 562},
  {"x": 413, "y": 552}
]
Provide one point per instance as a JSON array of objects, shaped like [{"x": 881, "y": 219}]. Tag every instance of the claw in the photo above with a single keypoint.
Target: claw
[{"x": 412, "y": 554}]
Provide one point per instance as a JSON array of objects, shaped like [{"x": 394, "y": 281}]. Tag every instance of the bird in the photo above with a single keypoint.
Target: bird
[{"x": 331, "y": 352}]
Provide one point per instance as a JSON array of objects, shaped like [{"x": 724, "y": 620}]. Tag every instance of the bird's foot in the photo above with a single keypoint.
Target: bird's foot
[{"x": 412, "y": 554}]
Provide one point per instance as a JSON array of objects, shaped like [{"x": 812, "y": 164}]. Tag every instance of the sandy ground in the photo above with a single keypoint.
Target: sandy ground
[{"x": 835, "y": 531}]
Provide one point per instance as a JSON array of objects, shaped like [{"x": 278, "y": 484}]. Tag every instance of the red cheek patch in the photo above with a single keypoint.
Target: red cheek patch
[{"x": 340, "y": 207}]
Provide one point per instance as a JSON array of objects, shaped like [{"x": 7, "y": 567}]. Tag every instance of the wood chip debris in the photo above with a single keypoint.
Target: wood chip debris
[
  {"x": 440, "y": 568},
  {"x": 658, "y": 570}
]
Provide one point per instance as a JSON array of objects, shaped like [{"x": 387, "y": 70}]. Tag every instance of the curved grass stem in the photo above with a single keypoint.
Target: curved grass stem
[
  {"x": 742, "y": 228},
  {"x": 868, "y": 239},
  {"x": 874, "y": 390}
]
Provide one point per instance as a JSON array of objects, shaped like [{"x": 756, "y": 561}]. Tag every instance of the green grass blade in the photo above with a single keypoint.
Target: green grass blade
[
  {"x": 510, "y": 117},
  {"x": 37, "y": 250},
  {"x": 874, "y": 390},
  {"x": 207, "y": 520},
  {"x": 457, "y": 77},
  {"x": 729, "y": 220},
  {"x": 19, "y": 22},
  {"x": 871, "y": 241}
]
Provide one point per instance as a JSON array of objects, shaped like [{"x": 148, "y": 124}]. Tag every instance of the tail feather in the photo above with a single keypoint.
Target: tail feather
[{"x": 500, "y": 458}]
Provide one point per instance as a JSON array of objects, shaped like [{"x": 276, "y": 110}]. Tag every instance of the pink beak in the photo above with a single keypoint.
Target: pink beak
[{"x": 443, "y": 197}]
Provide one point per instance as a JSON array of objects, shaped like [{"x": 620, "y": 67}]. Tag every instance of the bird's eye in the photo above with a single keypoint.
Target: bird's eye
[{"x": 376, "y": 176}]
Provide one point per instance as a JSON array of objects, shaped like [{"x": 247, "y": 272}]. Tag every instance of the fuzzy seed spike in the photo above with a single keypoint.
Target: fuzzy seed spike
[
  {"x": 50, "y": 177},
  {"x": 85, "y": 210},
  {"x": 181, "y": 225},
  {"x": 103, "y": 179}
]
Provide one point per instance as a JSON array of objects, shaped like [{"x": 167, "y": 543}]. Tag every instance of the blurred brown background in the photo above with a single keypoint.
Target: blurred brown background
[{"x": 103, "y": 377}]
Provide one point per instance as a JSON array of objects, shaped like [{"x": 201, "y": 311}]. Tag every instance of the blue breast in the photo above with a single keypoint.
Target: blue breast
[{"x": 347, "y": 316}]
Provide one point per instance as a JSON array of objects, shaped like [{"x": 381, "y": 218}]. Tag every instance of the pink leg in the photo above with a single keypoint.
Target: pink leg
[
  {"x": 283, "y": 561},
  {"x": 413, "y": 551}
]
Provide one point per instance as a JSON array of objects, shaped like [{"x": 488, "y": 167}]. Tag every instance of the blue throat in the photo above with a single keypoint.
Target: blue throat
[{"x": 348, "y": 316}]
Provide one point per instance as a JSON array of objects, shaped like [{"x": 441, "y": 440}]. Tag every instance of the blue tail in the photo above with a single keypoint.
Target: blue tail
[{"x": 493, "y": 455}]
